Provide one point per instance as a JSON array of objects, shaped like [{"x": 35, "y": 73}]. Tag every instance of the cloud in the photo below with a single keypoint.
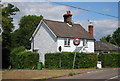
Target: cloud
[
  {"x": 13, "y": 0},
  {"x": 60, "y": 0},
  {"x": 55, "y": 12},
  {"x": 101, "y": 27},
  {"x": 47, "y": 10}
]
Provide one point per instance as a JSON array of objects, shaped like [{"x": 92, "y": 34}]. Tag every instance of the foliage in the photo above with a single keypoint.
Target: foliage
[
  {"x": 24, "y": 60},
  {"x": 116, "y": 36},
  {"x": 14, "y": 53},
  {"x": 17, "y": 50},
  {"x": 110, "y": 59},
  {"x": 1, "y": 14},
  {"x": 7, "y": 27},
  {"x": 22, "y": 35},
  {"x": 114, "y": 39},
  {"x": 0, "y": 38},
  {"x": 83, "y": 60},
  {"x": 108, "y": 38}
]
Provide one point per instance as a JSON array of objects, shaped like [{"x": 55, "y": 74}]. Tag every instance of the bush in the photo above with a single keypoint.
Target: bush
[
  {"x": 14, "y": 53},
  {"x": 17, "y": 50},
  {"x": 25, "y": 60},
  {"x": 110, "y": 59},
  {"x": 83, "y": 60}
]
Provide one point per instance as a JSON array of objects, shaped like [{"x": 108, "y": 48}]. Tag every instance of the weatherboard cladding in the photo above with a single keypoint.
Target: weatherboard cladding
[
  {"x": 105, "y": 46},
  {"x": 61, "y": 29}
]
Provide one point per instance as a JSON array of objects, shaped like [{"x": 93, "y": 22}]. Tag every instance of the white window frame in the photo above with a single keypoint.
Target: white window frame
[
  {"x": 67, "y": 42},
  {"x": 85, "y": 42}
]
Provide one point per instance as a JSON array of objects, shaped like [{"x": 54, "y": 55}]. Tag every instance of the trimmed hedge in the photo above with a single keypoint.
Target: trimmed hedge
[
  {"x": 83, "y": 60},
  {"x": 24, "y": 60},
  {"x": 17, "y": 50},
  {"x": 110, "y": 59}
]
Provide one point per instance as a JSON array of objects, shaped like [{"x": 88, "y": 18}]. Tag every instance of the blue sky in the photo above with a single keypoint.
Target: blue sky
[
  {"x": 60, "y": 0},
  {"x": 110, "y": 8},
  {"x": 103, "y": 25}
]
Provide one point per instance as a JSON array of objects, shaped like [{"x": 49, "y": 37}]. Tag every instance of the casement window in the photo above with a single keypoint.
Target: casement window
[
  {"x": 85, "y": 42},
  {"x": 66, "y": 41}
]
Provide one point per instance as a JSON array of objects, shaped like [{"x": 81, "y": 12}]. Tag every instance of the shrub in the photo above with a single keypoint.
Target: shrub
[
  {"x": 17, "y": 50},
  {"x": 86, "y": 60},
  {"x": 83, "y": 60},
  {"x": 25, "y": 60},
  {"x": 14, "y": 53},
  {"x": 110, "y": 59}
]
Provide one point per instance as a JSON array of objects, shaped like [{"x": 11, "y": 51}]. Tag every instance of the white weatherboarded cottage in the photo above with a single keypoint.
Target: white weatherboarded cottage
[{"x": 50, "y": 35}]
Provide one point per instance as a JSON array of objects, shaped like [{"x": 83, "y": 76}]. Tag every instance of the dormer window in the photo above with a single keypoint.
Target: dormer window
[{"x": 66, "y": 42}]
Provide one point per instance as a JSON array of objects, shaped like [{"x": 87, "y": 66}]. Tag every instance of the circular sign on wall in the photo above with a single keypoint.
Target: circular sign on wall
[{"x": 76, "y": 41}]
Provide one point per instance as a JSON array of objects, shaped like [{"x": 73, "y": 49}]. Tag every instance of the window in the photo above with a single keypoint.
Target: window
[
  {"x": 84, "y": 42},
  {"x": 67, "y": 42}
]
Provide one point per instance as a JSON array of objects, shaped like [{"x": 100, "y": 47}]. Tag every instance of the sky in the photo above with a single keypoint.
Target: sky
[
  {"x": 60, "y": 0},
  {"x": 49, "y": 9}
]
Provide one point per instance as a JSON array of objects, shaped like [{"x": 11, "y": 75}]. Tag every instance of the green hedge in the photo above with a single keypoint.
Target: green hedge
[
  {"x": 83, "y": 60},
  {"x": 24, "y": 60},
  {"x": 110, "y": 59},
  {"x": 17, "y": 50}
]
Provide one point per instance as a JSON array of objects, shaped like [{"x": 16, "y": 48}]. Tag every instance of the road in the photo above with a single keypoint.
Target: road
[
  {"x": 91, "y": 75},
  {"x": 101, "y": 75}
]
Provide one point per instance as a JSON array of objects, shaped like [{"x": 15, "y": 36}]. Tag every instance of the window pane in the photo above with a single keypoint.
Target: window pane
[
  {"x": 68, "y": 41},
  {"x": 65, "y": 41},
  {"x": 84, "y": 42}
]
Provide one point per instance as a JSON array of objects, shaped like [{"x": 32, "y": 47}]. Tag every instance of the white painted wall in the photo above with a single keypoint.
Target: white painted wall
[
  {"x": 44, "y": 41},
  {"x": 60, "y": 42},
  {"x": 90, "y": 46}
]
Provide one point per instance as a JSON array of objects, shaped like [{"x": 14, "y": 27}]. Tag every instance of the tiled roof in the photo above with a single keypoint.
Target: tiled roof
[
  {"x": 105, "y": 46},
  {"x": 62, "y": 29}
]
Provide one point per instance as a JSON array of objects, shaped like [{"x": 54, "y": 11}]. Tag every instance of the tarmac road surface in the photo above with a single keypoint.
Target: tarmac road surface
[
  {"x": 99, "y": 75},
  {"x": 91, "y": 75}
]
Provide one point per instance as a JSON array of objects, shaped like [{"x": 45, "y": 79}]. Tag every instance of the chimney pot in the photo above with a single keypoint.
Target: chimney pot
[
  {"x": 68, "y": 17},
  {"x": 67, "y": 12}
]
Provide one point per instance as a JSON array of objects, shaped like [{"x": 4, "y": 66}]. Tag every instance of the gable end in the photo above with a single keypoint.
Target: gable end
[{"x": 38, "y": 27}]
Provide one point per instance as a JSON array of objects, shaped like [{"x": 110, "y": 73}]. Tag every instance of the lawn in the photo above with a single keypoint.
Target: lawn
[{"x": 38, "y": 74}]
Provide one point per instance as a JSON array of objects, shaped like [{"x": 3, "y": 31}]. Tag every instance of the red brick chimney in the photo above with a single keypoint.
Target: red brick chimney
[
  {"x": 68, "y": 17},
  {"x": 90, "y": 29}
]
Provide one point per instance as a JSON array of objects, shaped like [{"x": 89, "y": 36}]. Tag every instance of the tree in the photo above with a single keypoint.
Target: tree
[
  {"x": 27, "y": 26},
  {"x": 7, "y": 27},
  {"x": 108, "y": 38},
  {"x": 116, "y": 36},
  {"x": 0, "y": 40},
  {"x": 114, "y": 39}
]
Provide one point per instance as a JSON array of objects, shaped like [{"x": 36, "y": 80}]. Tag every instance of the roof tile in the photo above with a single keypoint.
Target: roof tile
[
  {"x": 62, "y": 29},
  {"x": 105, "y": 46}
]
